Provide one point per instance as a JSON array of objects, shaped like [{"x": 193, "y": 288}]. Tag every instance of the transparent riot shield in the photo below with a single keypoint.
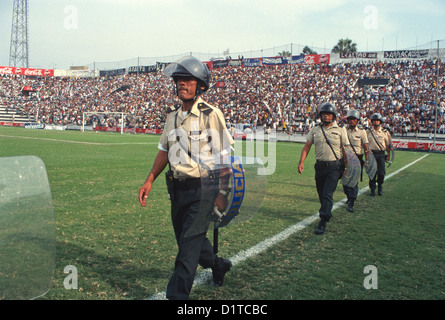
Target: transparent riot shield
[
  {"x": 247, "y": 185},
  {"x": 371, "y": 165},
  {"x": 353, "y": 169},
  {"x": 27, "y": 229}
]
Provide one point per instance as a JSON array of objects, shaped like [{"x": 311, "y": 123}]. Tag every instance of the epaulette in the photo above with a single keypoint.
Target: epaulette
[
  {"x": 173, "y": 108},
  {"x": 204, "y": 108}
]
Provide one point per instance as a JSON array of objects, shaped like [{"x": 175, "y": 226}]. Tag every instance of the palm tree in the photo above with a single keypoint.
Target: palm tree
[
  {"x": 307, "y": 50},
  {"x": 285, "y": 54},
  {"x": 344, "y": 46}
]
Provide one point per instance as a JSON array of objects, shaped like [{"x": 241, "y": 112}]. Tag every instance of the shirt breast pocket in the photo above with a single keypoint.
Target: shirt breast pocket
[
  {"x": 200, "y": 142},
  {"x": 335, "y": 139},
  {"x": 318, "y": 137}
]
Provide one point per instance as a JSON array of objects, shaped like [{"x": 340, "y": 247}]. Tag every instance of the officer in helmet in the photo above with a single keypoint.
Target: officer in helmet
[
  {"x": 329, "y": 140},
  {"x": 380, "y": 144},
  {"x": 194, "y": 135},
  {"x": 358, "y": 140}
]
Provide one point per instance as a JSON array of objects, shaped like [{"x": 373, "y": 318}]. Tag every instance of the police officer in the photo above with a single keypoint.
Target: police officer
[
  {"x": 329, "y": 140},
  {"x": 194, "y": 138},
  {"x": 358, "y": 140},
  {"x": 380, "y": 143}
]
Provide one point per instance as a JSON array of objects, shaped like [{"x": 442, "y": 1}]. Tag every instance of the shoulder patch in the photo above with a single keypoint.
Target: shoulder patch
[
  {"x": 173, "y": 108},
  {"x": 204, "y": 108}
]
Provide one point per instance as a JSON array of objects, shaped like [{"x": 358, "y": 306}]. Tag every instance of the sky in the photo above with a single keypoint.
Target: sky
[{"x": 81, "y": 32}]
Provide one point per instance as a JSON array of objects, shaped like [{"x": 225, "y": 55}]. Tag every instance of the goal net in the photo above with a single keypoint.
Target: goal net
[{"x": 104, "y": 119}]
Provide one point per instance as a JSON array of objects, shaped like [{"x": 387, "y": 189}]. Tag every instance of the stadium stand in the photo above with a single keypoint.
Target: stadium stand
[{"x": 282, "y": 97}]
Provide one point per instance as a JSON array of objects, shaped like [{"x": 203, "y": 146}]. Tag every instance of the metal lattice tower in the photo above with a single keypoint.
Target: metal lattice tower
[{"x": 18, "y": 52}]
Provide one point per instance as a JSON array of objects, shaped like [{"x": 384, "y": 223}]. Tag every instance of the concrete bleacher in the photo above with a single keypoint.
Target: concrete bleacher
[{"x": 11, "y": 115}]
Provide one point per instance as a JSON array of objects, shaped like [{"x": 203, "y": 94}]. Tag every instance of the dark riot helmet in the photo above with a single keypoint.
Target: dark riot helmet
[
  {"x": 377, "y": 116},
  {"x": 327, "y": 107},
  {"x": 353, "y": 114},
  {"x": 190, "y": 67}
]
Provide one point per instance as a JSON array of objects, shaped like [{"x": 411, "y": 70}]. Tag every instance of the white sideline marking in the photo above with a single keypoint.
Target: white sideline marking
[
  {"x": 205, "y": 275},
  {"x": 80, "y": 142}
]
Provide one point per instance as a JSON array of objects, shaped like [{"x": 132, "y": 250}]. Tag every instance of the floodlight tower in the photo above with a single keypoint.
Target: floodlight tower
[{"x": 18, "y": 51}]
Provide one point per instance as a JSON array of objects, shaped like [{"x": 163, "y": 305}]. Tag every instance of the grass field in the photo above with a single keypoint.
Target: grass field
[{"x": 124, "y": 251}]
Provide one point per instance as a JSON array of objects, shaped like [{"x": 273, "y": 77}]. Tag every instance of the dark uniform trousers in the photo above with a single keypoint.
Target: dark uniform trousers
[
  {"x": 326, "y": 180},
  {"x": 194, "y": 247},
  {"x": 379, "y": 177}
]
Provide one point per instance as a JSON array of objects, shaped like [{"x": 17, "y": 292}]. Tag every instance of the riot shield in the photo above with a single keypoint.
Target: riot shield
[
  {"x": 371, "y": 165},
  {"x": 247, "y": 188},
  {"x": 353, "y": 169},
  {"x": 27, "y": 229}
]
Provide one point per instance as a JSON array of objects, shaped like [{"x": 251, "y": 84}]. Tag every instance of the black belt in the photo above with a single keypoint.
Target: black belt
[
  {"x": 328, "y": 163},
  {"x": 378, "y": 151},
  {"x": 195, "y": 183},
  {"x": 191, "y": 183}
]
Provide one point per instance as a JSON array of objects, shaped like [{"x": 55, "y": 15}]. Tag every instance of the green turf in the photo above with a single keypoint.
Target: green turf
[{"x": 124, "y": 251}]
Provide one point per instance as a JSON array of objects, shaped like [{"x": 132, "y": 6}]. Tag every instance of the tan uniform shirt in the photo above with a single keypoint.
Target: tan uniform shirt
[
  {"x": 382, "y": 136},
  {"x": 337, "y": 137},
  {"x": 202, "y": 132},
  {"x": 357, "y": 138}
]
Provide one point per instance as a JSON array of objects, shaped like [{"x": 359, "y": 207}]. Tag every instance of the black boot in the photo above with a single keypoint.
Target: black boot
[
  {"x": 372, "y": 193},
  {"x": 350, "y": 207},
  {"x": 222, "y": 266},
  {"x": 321, "y": 227},
  {"x": 380, "y": 190}
]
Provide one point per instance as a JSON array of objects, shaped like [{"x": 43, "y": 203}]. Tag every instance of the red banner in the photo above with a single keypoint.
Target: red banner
[
  {"x": 12, "y": 124},
  {"x": 422, "y": 146},
  {"x": 27, "y": 71},
  {"x": 128, "y": 130},
  {"x": 28, "y": 88},
  {"x": 317, "y": 59}
]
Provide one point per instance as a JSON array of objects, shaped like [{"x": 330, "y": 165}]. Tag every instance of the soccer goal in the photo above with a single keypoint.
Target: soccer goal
[{"x": 104, "y": 115}]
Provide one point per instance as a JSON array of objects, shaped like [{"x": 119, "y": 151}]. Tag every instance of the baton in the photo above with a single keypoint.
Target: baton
[{"x": 392, "y": 156}]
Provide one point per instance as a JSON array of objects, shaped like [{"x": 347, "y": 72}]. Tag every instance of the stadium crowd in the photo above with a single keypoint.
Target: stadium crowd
[{"x": 280, "y": 97}]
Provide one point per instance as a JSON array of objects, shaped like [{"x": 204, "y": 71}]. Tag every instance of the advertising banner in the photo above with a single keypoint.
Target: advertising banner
[
  {"x": 295, "y": 60},
  {"x": 358, "y": 55},
  {"x": 317, "y": 59},
  {"x": 220, "y": 64},
  {"x": 274, "y": 61},
  {"x": 418, "y": 145},
  {"x": 406, "y": 54},
  {"x": 252, "y": 62},
  {"x": 27, "y": 71}
]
